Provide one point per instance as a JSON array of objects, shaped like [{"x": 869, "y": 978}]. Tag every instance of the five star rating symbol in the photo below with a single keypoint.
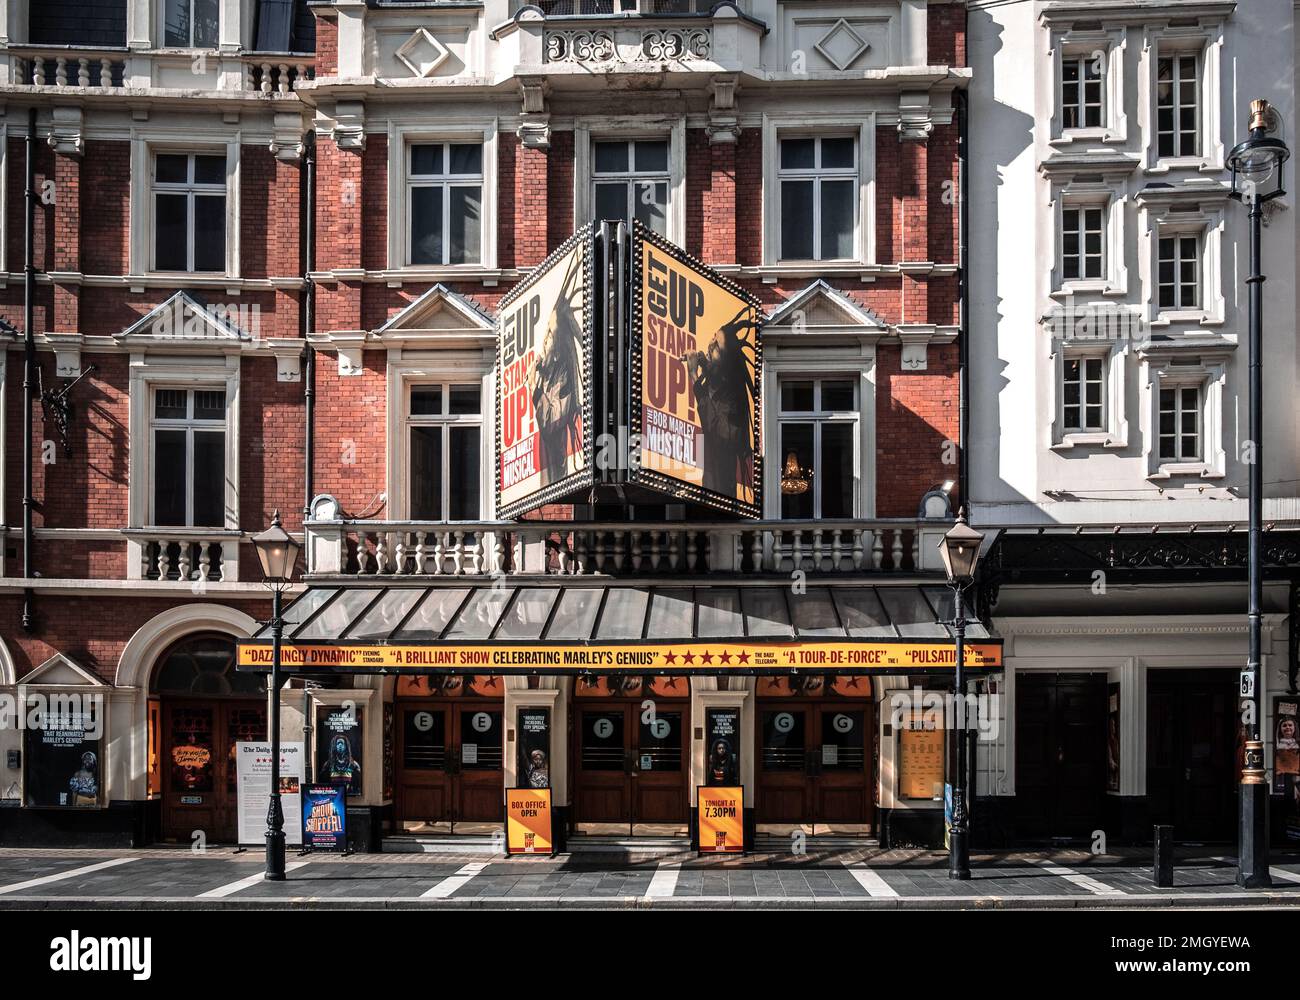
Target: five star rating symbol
[{"x": 689, "y": 658}]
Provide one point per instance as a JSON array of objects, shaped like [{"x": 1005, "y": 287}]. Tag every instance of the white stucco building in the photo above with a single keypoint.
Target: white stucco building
[{"x": 1107, "y": 313}]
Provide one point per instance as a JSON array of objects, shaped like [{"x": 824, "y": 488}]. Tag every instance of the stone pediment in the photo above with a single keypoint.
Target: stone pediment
[
  {"x": 438, "y": 315},
  {"x": 823, "y": 310},
  {"x": 61, "y": 671},
  {"x": 186, "y": 321}
]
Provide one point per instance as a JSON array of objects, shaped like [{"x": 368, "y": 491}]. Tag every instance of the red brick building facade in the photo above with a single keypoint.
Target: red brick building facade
[{"x": 152, "y": 347}]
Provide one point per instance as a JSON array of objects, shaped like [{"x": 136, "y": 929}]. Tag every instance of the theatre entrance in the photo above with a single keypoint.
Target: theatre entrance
[
  {"x": 815, "y": 753},
  {"x": 449, "y": 753},
  {"x": 1192, "y": 736},
  {"x": 201, "y": 707},
  {"x": 630, "y": 755}
]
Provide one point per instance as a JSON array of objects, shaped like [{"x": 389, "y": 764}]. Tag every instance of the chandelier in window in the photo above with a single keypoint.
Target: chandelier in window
[{"x": 794, "y": 478}]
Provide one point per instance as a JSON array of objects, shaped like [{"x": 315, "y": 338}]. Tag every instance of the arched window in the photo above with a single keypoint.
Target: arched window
[{"x": 200, "y": 665}]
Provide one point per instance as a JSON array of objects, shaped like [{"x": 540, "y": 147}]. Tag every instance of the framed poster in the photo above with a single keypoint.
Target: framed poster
[
  {"x": 722, "y": 747},
  {"x": 339, "y": 747},
  {"x": 721, "y": 819},
  {"x": 696, "y": 373},
  {"x": 528, "y": 821},
  {"x": 543, "y": 373},
  {"x": 253, "y": 781},
  {"x": 920, "y": 760},
  {"x": 325, "y": 817},
  {"x": 533, "y": 746},
  {"x": 63, "y": 761},
  {"x": 1286, "y": 743}
]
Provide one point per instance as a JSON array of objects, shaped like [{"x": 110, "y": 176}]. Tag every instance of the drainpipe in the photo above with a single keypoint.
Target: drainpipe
[
  {"x": 309, "y": 323},
  {"x": 963, "y": 340},
  {"x": 29, "y": 367}
]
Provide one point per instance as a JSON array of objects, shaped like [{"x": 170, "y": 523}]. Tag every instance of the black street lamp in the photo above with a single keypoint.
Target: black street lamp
[
  {"x": 1255, "y": 161},
  {"x": 960, "y": 551},
  {"x": 278, "y": 553}
]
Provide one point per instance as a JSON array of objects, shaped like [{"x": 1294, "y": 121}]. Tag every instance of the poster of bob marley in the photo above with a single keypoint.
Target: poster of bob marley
[
  {"x": 63, "y": 758},
  {"x": 543, "y": 370},
  {"x": 339, "y": 747},
  {"x": 695, "y": 399}
]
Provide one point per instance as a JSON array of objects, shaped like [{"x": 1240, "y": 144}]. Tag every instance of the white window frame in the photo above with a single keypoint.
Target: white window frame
[
  {"x": 191, "y": 189},
  {"x": 1181, "y": 290},
  {"x": 1109, "y": 197},
  {"x": 145, "y": 144},
  {"x": 1205, "y": 219},
  {"x": 1109, "y": 46},
  {"x": 1205, "y": 41},
  {"x": 819, "y": 417},
  {"x": 444, "y": 422},
  {"x": 592, "y": 129},
  {"x": 1087, "y": 63},
  {"x": 451, "y": 367},
  {"x": 443, "y": 182},
  {"x": 193, "y": 372},
  {"x": 1180, "y": 410},
  {"x": 1113, "y": 354},
  {"x": 189, "y": 424},
  {"x": 162, "y": 27},
  {"x": 632, "y": 179},
  {"x": 1085, "y": 362},
  {"x": 400, "y": 139},
  {"x": 817, "y": 174},
  {"x": 1208, "y": 373},
  {"x": 1077, "y": 221},
  {"x": 1176, "y": 87},
  {"x": 857, "y": 363},
  {"x": 778, "y": 127}
]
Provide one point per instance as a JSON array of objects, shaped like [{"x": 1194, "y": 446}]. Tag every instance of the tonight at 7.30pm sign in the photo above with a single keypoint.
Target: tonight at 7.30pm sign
[{"x": 705, "y": 657}]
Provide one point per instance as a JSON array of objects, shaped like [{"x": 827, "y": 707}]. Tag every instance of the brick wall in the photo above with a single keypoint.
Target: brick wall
[
  {"x": 946, "y": 34},
  {"x": 106, "y": 208},
  {"x": 92, "y": 629}
]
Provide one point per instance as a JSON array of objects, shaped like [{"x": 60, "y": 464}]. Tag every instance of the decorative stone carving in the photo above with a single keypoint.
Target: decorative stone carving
[
  {"x": 350, "y": 124},
  {"x": 535, "y": 120},
  {"x": 66, "y": 131},
  {"x": 841, "y": 46},
  {"x": 724, "y": 125},
  {"x": 422, "y": 53}
]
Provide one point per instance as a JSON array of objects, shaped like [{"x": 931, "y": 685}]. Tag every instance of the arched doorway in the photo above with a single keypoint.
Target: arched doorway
[{"x": 200, "y": 707}]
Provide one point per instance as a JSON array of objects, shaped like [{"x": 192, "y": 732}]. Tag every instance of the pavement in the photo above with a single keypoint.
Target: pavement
[{"x": 225, "y": 878}]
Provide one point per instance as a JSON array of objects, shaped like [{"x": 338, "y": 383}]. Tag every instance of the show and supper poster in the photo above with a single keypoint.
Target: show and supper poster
[
  {"x": 543, "y": 376},
  {"x": 695, "y": 396}
]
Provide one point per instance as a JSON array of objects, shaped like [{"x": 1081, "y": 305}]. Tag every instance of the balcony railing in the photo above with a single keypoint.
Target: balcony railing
[
  {"x": 184, "y": 555},
  {"x": 67, "y": 68},
  {"x": 358, "y": 548},
  {"x": 263, "y": 72}
]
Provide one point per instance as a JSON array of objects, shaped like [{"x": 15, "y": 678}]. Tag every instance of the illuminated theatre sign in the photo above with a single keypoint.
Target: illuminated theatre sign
[{"x": 674, "y": 412}]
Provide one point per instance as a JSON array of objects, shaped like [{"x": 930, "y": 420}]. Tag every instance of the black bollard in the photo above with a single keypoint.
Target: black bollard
[{"x": 1164, "y": 860}]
